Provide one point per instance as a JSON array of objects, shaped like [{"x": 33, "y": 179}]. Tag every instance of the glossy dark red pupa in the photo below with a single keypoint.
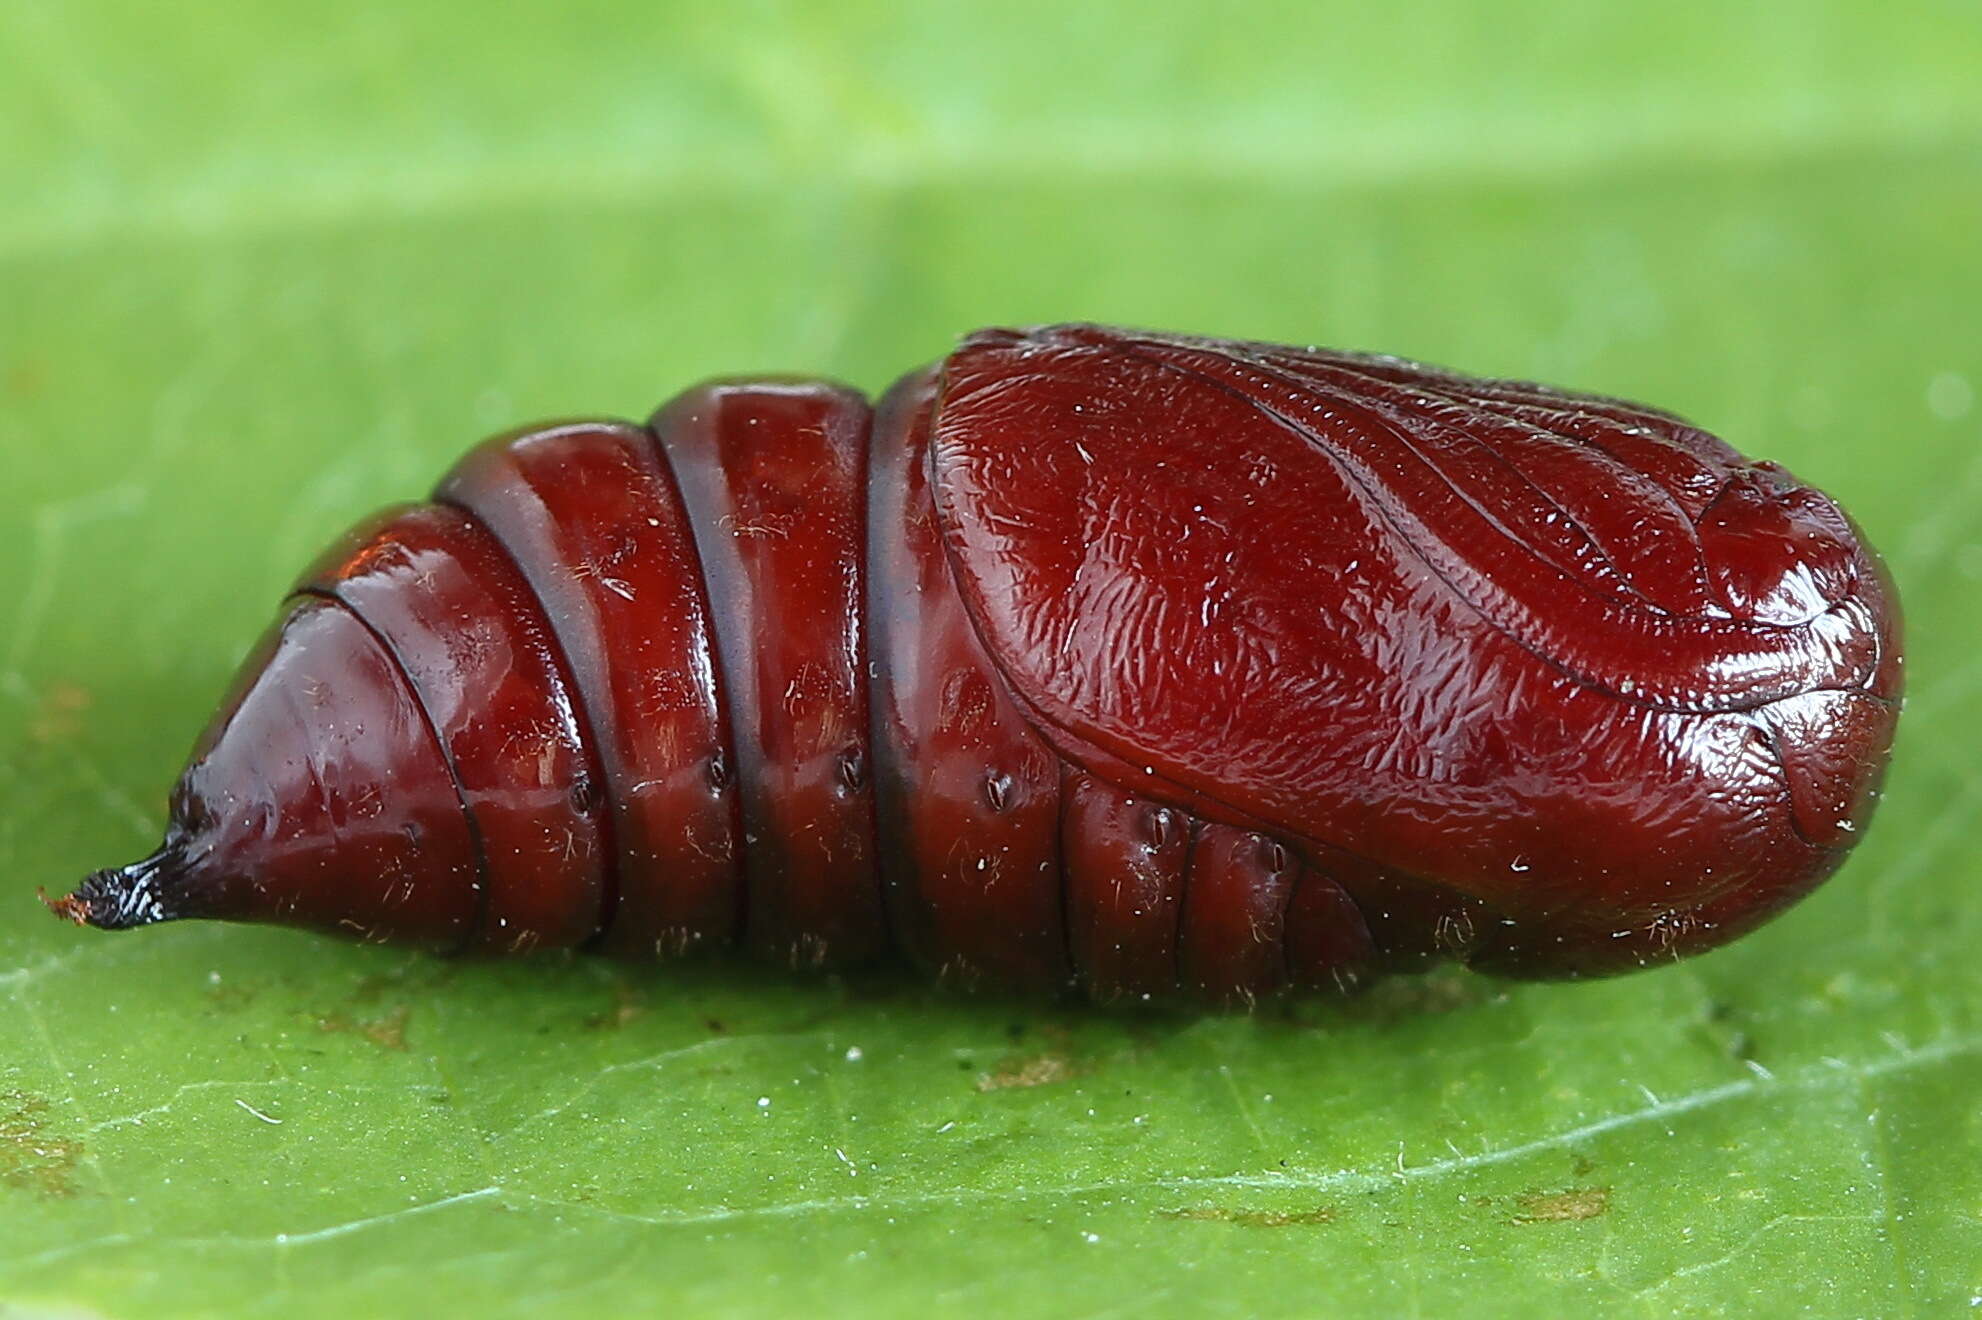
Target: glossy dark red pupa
[{"x": 1092, "y": 658}]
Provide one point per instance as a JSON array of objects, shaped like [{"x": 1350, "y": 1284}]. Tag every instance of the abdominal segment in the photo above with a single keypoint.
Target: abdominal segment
[{"x": 708, "y": 684}]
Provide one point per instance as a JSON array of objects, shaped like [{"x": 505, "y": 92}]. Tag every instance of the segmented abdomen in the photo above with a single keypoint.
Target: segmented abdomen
[{"x": 709, "y": 682}]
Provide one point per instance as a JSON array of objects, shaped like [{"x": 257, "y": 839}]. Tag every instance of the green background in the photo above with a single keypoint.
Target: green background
[{"x": 263, "y": 267}]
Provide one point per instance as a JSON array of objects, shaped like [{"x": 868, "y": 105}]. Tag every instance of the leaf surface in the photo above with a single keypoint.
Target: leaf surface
[{"x": 265, "y": 267}]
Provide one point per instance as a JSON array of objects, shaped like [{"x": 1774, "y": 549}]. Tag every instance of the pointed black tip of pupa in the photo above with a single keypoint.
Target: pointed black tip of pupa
[{"x": 124, "y": 897}]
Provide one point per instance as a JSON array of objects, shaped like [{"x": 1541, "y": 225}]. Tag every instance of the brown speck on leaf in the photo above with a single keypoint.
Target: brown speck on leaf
[
  {"x": 1213, "y": 1214},
  {"x": 388, "y": 1032},
  {"x": 1556, "y": 1207},
  {"x": 30, "y": 1158},
  {"x": 25, "y": 378},
  {"x": 1039, "y": 1070},
  {"x": 626, "y": 1006},
  {"x": 58, "y": 715}
]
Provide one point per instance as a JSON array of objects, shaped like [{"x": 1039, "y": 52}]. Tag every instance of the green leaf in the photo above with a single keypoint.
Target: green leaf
[{"x": 264, "y": 267}]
